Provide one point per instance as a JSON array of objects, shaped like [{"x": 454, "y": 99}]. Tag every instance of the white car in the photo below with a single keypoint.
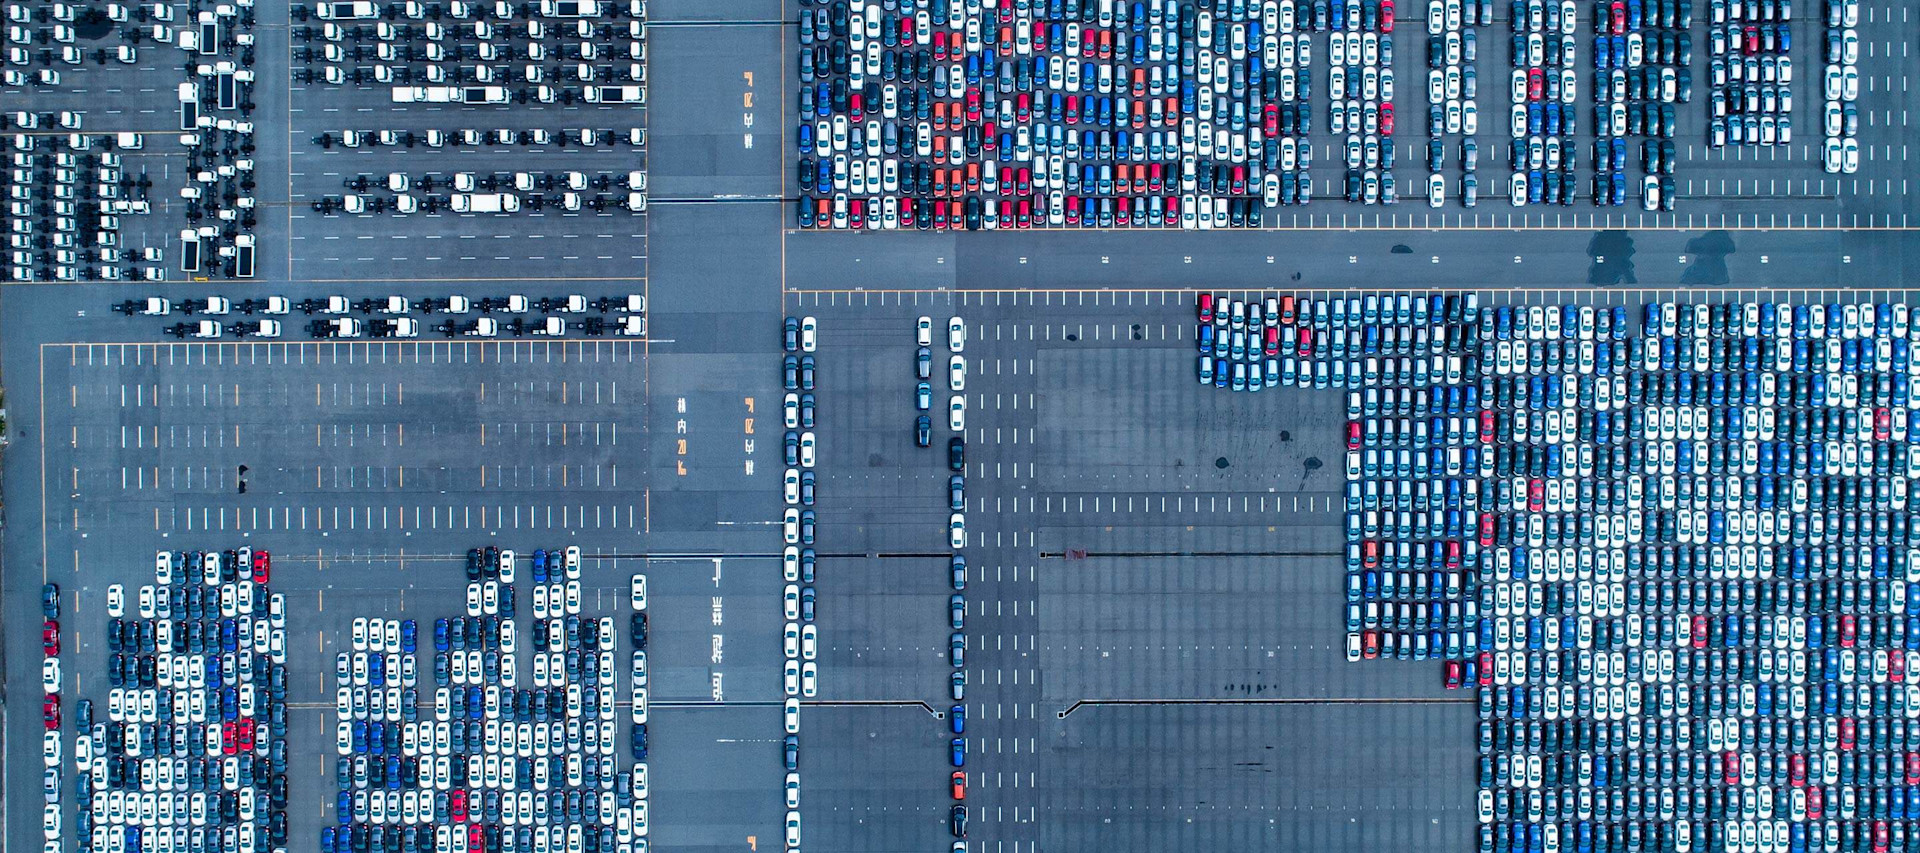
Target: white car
[
  {"x": 957, "y": 530},
  {"x": 791, "y": 598},
  {"x": 956, "y": 335},
  {"x": 638, "y": 591},
  {"x": 808, "y": 338},
  {"x": 790, "y": 526},
  {"x": 792, "y": 715},
  {"x": 957, "y": 413},
  {"x": 793, "y": 790},
  {"x": 790, "y": 640},
  {"x": 50, "y": 675},
  {"x": 1834, "y": 160},
  {"x": 1849, "y": 155},
  {"x": 116, "y": 601},
  {"x": 923, "y": 331},
  {"x": 790, "y": 486},
  {"x": 360, "y": 622},
  {"x": 809, "y": 679},
  {"x": 809, "y": 642},
  {"x": 806, "y": 449},
  {"x": 791, "y": 678},
  {"x": 957, "y": 373},
  {"x": 1436, "y": 190},
  {"x": 572, "y": 562}
]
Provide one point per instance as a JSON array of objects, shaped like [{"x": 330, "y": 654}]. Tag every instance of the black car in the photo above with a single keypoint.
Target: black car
[
  {"x": 956, "y": 451},
  {"x": 792, "y": 750},
  {"x": 792, "y": 334},
  {"x": 957, "y": 491},
  {"x": 923, "y": 431},
  {"x": 957, "y": 821}
]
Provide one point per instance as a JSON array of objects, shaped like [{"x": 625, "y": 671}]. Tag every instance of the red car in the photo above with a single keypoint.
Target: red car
[
  {"x": 1386, "y": 19},
  {"x": 1816, "y": 802},
  {"x": 1286, "y": 310},
  {"x": 1913, "y": 768},
  {"x": 476, "y": 837},
  {"x": 1750, "y": 39},
  {"x": 1370, "y": 644},
  {"x": 1386, "y": 119},
  {"x": 1486, "y": 668},
  {"x": 1487, "y": 529},
  {"x": 1797, "y": 771},
  {"x": 1731, "y": 768},
  {"x": 50, "y": 638},
  {"x": 1882, "y": 424},
  {"x": 959, "y": 785},
  {"x": 1617, "y": 15},
  {"x": 1353, "y": 435},
  {"x": 262, "y": 566},
  {"x": 1370, "y": 554},
  {"x": 1486, "y": 427},
  {"x": 1536, "y": 495},
  {"x": 1453, "y": 675},
  {"x": 1273, "y": 340},
  {"x": 246, "y": 736},
  {"x": 229, "y": 738},
  {"x": 1896, "y": 667},
  {"x": 1879, "y": 836},
  {"x": 1847, "y": 631},
  {"x": 1536, "y": 84},
  {"x": 50, "y": 713},
  {"x": 1699, "y": 632},
  {"x": 1846, "y": 733}
]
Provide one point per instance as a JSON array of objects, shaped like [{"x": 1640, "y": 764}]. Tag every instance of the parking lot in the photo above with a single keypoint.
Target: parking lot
[{"x": 1109, "y": 137}]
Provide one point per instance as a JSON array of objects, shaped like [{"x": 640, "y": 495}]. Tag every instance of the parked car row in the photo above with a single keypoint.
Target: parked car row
[
  {"x": 1682, "y": 631},
  {"x": 492, "y": 764},
  {"x": 191, "y": 754},
  {"x": 391, "y": 316},
  {"x": 540, "y": 137},
  {"x": 956, "y": 505},
  {"x": 800, "y": 639},
  {"x": 1841, "y": 150}
]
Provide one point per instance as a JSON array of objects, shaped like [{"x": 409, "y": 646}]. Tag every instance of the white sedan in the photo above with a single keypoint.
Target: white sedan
[
  {"x": 957, "y": 530},
  {"x": 957, "y": 413},
  {"x": 116, "y": 601},
  {"x": 956, "y": 335},
  {"x": 923, "y": 331},
  {"x": 957, "y": 373},
  {"x": 638, "y": 592},
  {"x": 50, "y": 675}
]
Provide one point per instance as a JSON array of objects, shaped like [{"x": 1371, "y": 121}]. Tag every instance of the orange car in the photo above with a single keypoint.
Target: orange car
[{"x": 959, "y": 784}]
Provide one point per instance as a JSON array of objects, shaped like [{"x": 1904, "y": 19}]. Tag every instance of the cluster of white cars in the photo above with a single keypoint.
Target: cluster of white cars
[
  {"x": 1841, "y": 151},
  {"x": 473, "y": 52},
  {"x": 478, "y": 746},
  {"x": 69, "y": 228}
]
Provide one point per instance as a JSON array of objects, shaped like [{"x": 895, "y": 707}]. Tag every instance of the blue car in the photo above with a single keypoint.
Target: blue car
[
  {"x": 440, "y": 635},
  {"x": 959, "y": 745},
  {"x": 409, "y": 636},
  {"x": 958, "y": 717}
]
